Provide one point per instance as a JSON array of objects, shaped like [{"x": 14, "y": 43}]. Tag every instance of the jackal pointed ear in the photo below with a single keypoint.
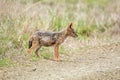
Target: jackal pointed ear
[{"x": 71, "y": 25}]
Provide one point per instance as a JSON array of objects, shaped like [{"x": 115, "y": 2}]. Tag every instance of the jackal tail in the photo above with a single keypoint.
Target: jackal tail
[{"x": 30, "y": 43}]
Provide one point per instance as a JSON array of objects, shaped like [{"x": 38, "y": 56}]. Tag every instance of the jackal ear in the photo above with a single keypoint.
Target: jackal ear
[{"x": 71, "y": 25}]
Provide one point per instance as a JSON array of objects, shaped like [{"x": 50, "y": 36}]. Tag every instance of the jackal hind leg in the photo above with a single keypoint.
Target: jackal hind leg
[
  {"x": 56, "y": 53},
  {"x": 36, "y": 51},
  {"x": 35, "y": 44}
]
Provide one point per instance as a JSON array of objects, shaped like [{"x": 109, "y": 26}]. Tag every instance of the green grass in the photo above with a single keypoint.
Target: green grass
[
  {"x": 34, "y": 57},
  {"x": 4, "y": 62},
  {"x": 58, "y": 23},
  {"x": 101, "y": 3},
  {"x": 63, "y": 50},
  {"x": 46, "y": 52}
]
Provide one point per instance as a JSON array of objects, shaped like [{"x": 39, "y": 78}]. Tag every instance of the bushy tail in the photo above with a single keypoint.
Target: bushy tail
[{"x": 30, "y": 43}]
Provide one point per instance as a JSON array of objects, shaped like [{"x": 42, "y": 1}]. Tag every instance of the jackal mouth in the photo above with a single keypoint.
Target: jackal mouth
[{"x": 75, "y": 35}]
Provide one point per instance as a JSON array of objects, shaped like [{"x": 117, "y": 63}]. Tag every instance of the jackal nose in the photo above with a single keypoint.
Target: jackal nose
[{"x": 75, "y": 35}]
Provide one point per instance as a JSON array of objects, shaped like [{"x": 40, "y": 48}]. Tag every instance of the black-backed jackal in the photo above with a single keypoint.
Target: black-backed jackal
[{"x": 39, "y": 39}]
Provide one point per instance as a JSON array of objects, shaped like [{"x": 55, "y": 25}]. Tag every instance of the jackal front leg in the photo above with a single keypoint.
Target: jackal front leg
[{"x": 56, "y": 53}]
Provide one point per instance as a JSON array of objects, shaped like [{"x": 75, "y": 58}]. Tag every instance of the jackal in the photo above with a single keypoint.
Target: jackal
[{"x": 39, "y": 39}]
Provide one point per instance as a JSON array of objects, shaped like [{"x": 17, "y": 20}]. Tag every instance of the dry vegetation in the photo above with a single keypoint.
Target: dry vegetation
[{"x": 97, "y": 23}]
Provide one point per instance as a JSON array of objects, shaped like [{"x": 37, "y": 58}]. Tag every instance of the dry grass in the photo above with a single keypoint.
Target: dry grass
[{"x": 92, "y": 20}]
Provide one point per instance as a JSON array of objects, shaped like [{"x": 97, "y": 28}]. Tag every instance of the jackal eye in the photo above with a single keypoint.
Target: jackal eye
[{"x": 73, "y": 31}]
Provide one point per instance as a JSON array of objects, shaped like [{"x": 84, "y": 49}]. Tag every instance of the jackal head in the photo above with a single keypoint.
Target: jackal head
[{"x": 70, "y": 31}]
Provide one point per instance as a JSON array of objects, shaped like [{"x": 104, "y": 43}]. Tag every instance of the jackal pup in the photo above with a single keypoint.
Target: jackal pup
[{"x": 39, "y": 39}]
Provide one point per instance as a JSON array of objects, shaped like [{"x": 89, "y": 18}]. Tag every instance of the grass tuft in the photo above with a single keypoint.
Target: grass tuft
[{"x": 4, "y": 62}]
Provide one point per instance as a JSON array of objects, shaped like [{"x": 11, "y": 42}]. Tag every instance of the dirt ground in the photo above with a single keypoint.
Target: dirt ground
[{"x": 96, "y": 63}]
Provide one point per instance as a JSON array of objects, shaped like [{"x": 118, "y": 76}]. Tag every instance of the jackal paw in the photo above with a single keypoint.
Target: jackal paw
[
  {"x": 57, "y": 59},
  {"x": 28, "y": 51}
]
